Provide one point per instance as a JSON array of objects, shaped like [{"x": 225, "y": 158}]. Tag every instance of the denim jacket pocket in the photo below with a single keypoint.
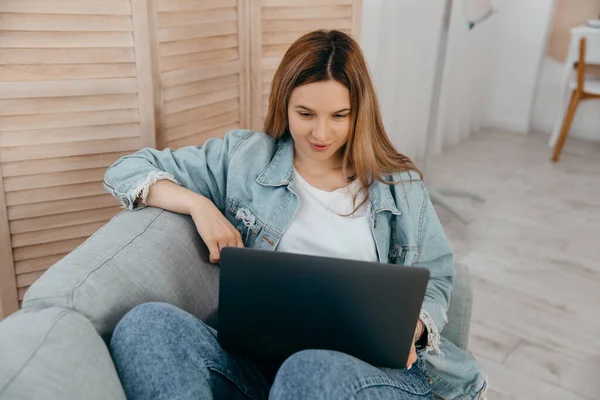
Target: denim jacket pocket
[
  {"x": 402, "y": 254},
  {"x": 244, "y": 220}
]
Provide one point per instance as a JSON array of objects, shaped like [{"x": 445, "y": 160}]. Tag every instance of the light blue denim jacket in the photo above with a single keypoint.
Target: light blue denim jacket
[{"x": 248, "y": 176}]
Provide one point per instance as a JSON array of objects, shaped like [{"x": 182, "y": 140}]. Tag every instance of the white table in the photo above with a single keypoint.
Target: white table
[{"x": 572, "y": 56}]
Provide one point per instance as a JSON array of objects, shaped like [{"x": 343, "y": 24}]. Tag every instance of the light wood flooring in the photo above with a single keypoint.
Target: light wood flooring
[{"x": 534, "y": 257}]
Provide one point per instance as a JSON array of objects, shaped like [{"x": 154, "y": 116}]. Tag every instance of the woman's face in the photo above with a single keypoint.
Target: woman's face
[{"x": 319, "y": 119}]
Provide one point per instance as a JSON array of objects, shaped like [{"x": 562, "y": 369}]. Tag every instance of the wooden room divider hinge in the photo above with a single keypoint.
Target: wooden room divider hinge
[
  {"x": 254, "y": 61},
  {"x": 143, "y": 15},
  {"x": 356, "y": 19},
  {"x": 244, "y": 55},
  {"x": 9, "y": 300}
]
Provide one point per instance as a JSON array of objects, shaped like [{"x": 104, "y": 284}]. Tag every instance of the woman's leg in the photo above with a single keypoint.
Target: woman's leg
[
  {"x": 163, "y": 352},
  {"x": 323, "y": 374}
]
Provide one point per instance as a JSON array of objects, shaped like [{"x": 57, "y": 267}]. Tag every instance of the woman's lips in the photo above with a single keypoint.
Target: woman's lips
[{"x": 319, "y": 146}]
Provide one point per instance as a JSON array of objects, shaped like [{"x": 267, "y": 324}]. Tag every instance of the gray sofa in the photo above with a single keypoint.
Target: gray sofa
[{"x": 55, "y": 347}]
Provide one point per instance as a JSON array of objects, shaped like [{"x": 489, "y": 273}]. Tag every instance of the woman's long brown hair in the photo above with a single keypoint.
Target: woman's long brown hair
[{"x": 333, "y": 55}]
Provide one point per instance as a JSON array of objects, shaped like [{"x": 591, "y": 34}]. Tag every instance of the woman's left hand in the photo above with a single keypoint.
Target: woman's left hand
[{"x": 412, "y": 356}]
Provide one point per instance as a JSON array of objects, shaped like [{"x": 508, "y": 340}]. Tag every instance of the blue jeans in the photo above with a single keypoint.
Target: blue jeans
[{"x": 163, "y": 352}]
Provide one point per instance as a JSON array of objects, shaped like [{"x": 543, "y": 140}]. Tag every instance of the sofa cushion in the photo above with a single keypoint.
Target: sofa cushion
[{"x": 55, "y": 353}]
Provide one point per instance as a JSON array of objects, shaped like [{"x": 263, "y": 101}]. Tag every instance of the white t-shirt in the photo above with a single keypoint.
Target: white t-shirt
[{"x": 320, "y": 228}]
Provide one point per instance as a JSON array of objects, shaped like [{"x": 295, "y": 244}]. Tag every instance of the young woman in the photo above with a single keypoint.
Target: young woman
[{"x": 324, "y": 179}]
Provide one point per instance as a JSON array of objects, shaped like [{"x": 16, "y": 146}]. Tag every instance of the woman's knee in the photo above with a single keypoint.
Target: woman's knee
[
  {"x": 155, "y": 322},
  {"x": 143, "y": 311},
  {"x": 323, "y": 374},
  {"x": 159, "y": 348},
  {"x": 316, "y": 374},
  {"x": 316, "y": 363}
]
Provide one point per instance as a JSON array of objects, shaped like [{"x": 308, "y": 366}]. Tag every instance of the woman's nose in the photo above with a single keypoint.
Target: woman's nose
[{"x": 320, "y": 131}]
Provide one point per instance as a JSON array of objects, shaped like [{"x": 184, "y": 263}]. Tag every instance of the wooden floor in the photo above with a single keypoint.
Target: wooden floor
[{"x": 534, "y": 256}]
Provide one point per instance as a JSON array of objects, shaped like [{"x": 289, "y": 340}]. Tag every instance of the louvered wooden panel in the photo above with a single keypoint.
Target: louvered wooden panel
[
  {"x": 48, "y": 249},
  {"x": 75, "y": 94},
  {"x": 83, "y": 83},
  {"x": 201, "y": 62},
  {"x": 276, "y": 24}
]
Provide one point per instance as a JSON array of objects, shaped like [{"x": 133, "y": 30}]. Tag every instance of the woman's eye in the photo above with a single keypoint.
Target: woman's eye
[
  {"x": 305, "y": 115},
  {"x": 340, "y": 116}
]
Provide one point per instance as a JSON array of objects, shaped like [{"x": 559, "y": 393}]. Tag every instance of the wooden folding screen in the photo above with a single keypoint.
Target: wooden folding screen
[
  {"x": 85, "y": 82},
  {"x": 276, "y": 24},
  {"x": 202, "y": 69},
  {"x": 73, "y": 98}
]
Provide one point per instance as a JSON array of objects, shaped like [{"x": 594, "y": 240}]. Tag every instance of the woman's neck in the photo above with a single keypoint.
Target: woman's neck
[
  {"x": 314, "y": 167},
  {"x": 327, "y": 175}
]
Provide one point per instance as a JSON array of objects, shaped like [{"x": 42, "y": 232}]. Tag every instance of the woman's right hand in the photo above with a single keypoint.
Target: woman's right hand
[
  {"x": 213, "y": 227},
  {"x": 216, "y": 231}
]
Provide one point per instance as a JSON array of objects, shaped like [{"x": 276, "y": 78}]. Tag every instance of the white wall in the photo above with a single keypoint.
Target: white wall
[
  {"x": 466, "y": 87},
  {"x": 521, "y": 30},
  {"x": 399, "y": 39},
  {"x": 491, "y": 77}
]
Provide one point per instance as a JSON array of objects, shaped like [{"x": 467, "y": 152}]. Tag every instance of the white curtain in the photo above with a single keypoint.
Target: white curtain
[{"x": 399, "y": 39}]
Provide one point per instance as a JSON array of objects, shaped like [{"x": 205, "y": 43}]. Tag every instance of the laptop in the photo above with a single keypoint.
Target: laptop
[{"x": 273, "y": 304}]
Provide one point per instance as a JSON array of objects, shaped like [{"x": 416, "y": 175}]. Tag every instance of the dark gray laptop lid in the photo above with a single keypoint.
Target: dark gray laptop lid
[{"x": 274, "y": 304}]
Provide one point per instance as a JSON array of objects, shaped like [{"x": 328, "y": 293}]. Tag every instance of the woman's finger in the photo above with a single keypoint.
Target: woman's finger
[
  {"x": 238, "y": 239},
  {"x": 231, "y": 242},
  {"x": 239, "y": 242},
  {"x": 213, "y": 250},
  {"x": 412, "y": 357}
]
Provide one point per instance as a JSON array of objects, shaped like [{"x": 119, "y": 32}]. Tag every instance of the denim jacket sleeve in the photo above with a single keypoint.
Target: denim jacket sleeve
[
  {"x": 202, "y": 169},
  {"x": 433, "y": 251}
]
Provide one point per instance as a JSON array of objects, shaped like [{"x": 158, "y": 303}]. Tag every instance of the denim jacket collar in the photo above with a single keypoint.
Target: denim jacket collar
[
  {"x": 382, "y": 199},
  {"x": 279, "y": 172}
]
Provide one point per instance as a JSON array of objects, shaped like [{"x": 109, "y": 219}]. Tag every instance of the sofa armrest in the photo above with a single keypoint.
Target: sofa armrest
[
  {"x": 55, "y": 354},
  {"x": 459, "y": 313},
  {"x": 142, "y": 256}
]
